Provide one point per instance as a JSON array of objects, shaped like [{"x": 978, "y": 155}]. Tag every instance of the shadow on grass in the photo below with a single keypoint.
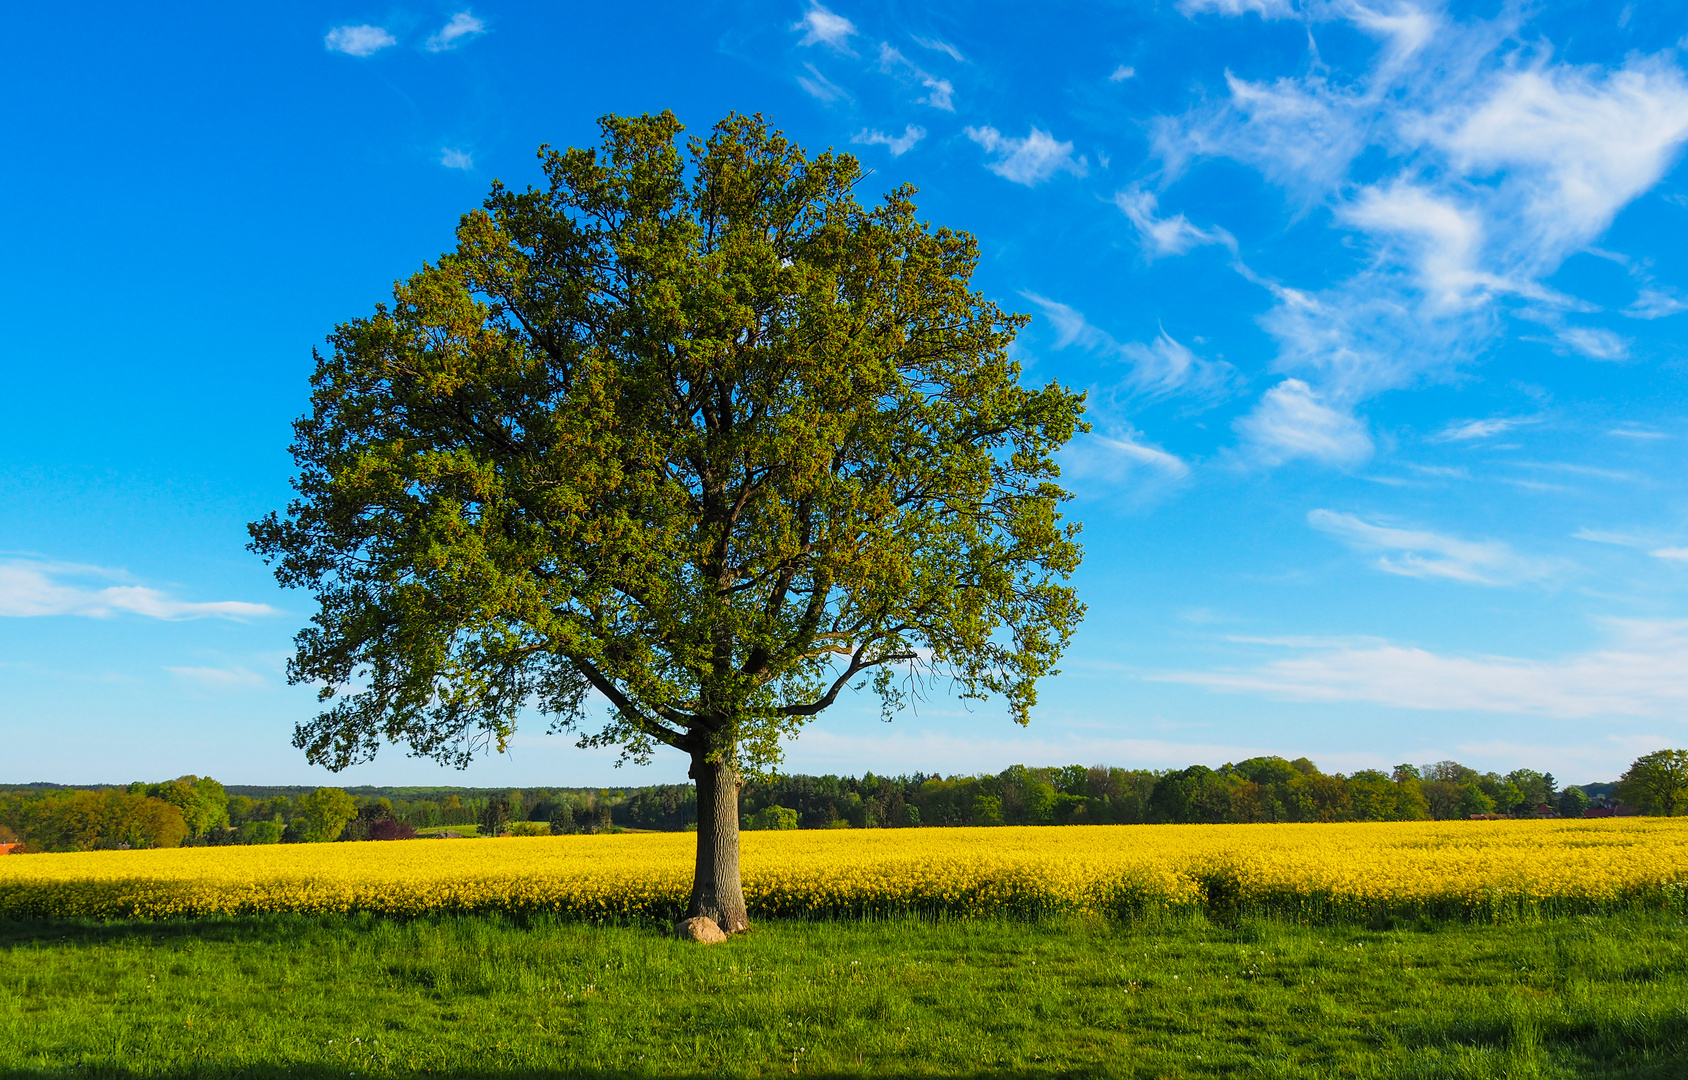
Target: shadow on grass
[
  {"x": 278, "y": 928},
  {"x": 326, "y": 1072}
]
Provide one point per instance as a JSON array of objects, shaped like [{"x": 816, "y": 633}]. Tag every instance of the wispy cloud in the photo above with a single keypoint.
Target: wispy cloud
[
  {"x": 460, "y": 29},
  {"x": 358, "y": 40},
  {"x": 941, "y": 46},
  {"x": 1122, "y": 73},
  {"x": 1643, "y": 671},
  {"x": 1655, "y": 304},
  {"x": 1468, "y": 430},
  {"x": 821, "y": 27},
  {"x": 1595, "y": 343},
  {"x": 1029, "y": 161},
  {"x": 819, "y": 86},
  {"x": 940, "y": 94},
  {"x": 456, "y": 159},
  {"x": 1423, "y": 554},
  {"x": 1120, "y": 453},
  {"x": 1654, "y": 546},
  {"x": 1509, "y": 162},
  {"x": 897, "y": 144},
  {"x": 1165, "y": 236},
  {"x": 1292, "y": 421},
  {"x": 33, "y": 588},
  {"x": 1160, "y": 368}
]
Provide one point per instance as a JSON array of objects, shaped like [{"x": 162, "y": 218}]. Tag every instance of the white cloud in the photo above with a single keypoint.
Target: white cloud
[
  {"x": 1594, "y": 343},
  {"x": 1029, "y": 161},
  {"x": 1292, "y": 422},
  {"x": 1579, "y": 143},
  {"x": 456, "y": 159},
  {"x": 1266, "y": 9},
  {"x": 1497, "y": 163},
  {"x": 1165, "y": 236},
  {"x": 897, "y": 144},
  {"x": 819, "y": 86},
  {"x": 1159, "y": 369},
  {"x": 31, "y": 588},
  {"x": 212, "y": 678},
  {"x": 941, "y": 46},
  {"x": 1643, "y": 671},
  {"x": 1421, "y": 554},
  {"x": 460, "y": 28},
  {"x": 941, "y": 94},
  {"x": 1655, "y": 304},
  {"x": 358, "y": 40},
  {"x": 1637, "y": 433},
  {"x": 1117, "y": 454},
  {"x": 1674, "y": 554},
  {"x": 1466, "y": 430},
  {"x": 1122, "y": 73},
  {"x": 1438, "y": 238},
  {"x": 822, "y": 27}
]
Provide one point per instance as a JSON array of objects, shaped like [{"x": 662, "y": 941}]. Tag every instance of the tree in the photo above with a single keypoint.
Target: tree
[
  {"x": 322, "y": 814},
  {"x": 1573, "y": 802},
  {"x": 1657, "y": 783},
  {"x": 693, "y": 430},
  {"x": 494, "y": 816}
]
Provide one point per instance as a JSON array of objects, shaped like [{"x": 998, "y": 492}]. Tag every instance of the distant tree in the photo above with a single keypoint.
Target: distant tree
[
  {"x": 689, "y": 428},
  {"x": 388, "y": 829},
  {"x": 261, "y": 832},
  {"x": 1449, "y": 772},
  {"x": 91, "y": 820},
  {"x": 1573, "y": 802},
  {"x": 562, "y": 817},
  {"x": 203, "y": 802},
  {"x": 1657, "y": 783},
  {"x": 773, "y": 817},
  {"x": 322, "y": 814},
  {"x": 1473, "y": 800},
  {"x": 494, "y": 816},
  {"x": 1406, "y": 772}
]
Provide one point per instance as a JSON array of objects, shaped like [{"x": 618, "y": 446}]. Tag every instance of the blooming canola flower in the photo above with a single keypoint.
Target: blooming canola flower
[{"x": 1318, "y": 872}]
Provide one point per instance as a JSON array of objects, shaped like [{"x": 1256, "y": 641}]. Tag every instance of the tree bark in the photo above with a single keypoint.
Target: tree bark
[{"x": 717, "y": 889}]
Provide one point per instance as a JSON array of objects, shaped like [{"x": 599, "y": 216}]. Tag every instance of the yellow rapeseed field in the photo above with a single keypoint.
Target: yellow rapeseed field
[{"x": 1476, "y": 869}]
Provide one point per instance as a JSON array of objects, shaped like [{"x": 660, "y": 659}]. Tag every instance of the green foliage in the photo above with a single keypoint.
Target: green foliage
[
  {"x": 486, "y": 999},
  {"x": 261, "y": 832},
  {"x": 1474, "y": 800},
  {"x": 1573, "y": 802},
  {"x": 528, "y": 828},
  {"x": 494, "y": 817},
  {"x": 688, "y": 426},
  {"x": 93, "y": 820},
  {"x": 323, "y": 814},
  {"x": 203, "y": 802},
  {"x": 772, "y": 817},
  {"x": 1657, "y": 783}
]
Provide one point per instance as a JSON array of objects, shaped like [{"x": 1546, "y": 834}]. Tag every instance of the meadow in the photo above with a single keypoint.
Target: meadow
[
  {"x": 1454, "y": 949},
  {"x": 489, "y": 997}
]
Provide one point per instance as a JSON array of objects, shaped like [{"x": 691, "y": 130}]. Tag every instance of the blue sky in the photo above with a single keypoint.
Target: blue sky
[{"x": 1381, "y": 309}]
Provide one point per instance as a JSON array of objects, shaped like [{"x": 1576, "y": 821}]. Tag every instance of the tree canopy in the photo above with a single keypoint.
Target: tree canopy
[
  {"x": 691, "y": 428},
  {"x": 1657, "y": 782}
]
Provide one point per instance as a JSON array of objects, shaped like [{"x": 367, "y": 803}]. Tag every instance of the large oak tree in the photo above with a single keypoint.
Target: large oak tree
[{"x": 688, "y": 428}]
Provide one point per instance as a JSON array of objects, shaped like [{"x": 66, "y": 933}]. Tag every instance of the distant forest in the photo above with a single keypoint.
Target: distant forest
[{"x": 195, "y": 810}]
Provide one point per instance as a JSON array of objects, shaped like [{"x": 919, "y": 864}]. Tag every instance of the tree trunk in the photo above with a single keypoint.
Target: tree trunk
[{"x": 717, "y": 890}]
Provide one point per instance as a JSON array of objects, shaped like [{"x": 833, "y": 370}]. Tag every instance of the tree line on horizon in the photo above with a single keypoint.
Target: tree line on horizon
[{"x": 198, "y": 810}]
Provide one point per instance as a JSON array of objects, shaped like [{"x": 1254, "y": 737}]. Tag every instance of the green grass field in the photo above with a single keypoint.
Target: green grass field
[{"x": 487, "y": 998}]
